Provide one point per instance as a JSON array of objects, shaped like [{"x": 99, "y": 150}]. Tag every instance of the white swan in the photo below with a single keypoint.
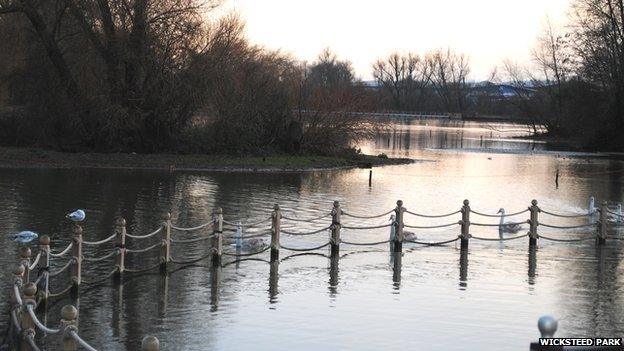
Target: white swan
[
  {"x": 507, "y": 227},
  {"x": 406, "y": 235},
  {"x": 247, "y": 244}
]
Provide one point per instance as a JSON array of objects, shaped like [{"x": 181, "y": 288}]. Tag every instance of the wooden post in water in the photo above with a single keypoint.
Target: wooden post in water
[
  {"x": 76, "y": 267},
  {"x": 217, "y": 237},
  {"x": 69, "y": 314},
  {"x": 601, "y": 237},
  {"x": 276, "y": 218},
  {"x": 120, "y": 243},
  {"x": 165, "y": 249},
  {"x": 533, "y": 223},
  {"x": 26, "y": 322},
  {"x": 44, "y": 264},
  {"x": 25, "y": 254},
  {"x": 465, "y": 224},
  {"x": 398, "y": 237},
  {"x": 335, "y": 229},
  {"x": 150, "y": 343}
]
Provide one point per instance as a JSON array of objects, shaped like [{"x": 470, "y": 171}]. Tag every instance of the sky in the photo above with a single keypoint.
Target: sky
[{"x": 488, "y": 31}]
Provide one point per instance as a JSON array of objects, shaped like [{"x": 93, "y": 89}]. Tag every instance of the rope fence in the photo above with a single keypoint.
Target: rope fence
[{"x": 599, "y": 230}]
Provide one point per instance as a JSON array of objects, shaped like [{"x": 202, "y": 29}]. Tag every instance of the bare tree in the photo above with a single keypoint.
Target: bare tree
[
  {"x": 404, "y": 78},
  {"x": 449, "y": 72}
]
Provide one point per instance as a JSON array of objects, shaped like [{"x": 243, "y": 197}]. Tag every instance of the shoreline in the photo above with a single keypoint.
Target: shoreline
[{"x": 34, "y": 158}]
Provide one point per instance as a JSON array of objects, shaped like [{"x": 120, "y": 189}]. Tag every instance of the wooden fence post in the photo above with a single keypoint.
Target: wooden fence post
[
  {"x": 44, "y": 264},
  {"x": 26, "y": 322},
  {"x": 533, "y": 223},
  {"x": 165, "y": 249},
  {"x": 120, "y": 243},
  {"x": 335, "y": 229},
  {"x": 276, "y": 224},
  {"x": 69, "y": 314},
  {"x": 601, "y": 238},
  {"x": 398, "y": 237},
  {"x": 150, "y": 343},
  {"x": 76, "y": 267},
  {"x": 465, "y": 224},
  {"x": 217, "y": 237},
  {"x": 25, "y": 254}
]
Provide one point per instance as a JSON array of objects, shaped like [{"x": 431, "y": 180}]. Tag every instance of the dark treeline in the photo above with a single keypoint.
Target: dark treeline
[
  {"x": 157, "y": 75},
  {"x": 160, "y": 75}
]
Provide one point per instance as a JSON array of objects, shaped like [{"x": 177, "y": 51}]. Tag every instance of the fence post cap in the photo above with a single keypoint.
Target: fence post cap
[
  {"x": 150, "y": 343},
  {"x": 69, "y": 313},
  {"x": 547, "y": 326},
  {"x": 276, "y": 207},
  {"x": 25, "y": 252},
  {"x": 30, "y": 289},
  {"x": 336, "y": 203},
  {"x": 19, "y": 269},
  {"x": 166, "y": 216},
  {"x": 399, "y": 203},
  {"x": 219, "y": 210},
  {"x": 44, "y": 240},
  {"x": 534, "y": 202},
  {"x": 466, "y": 202},
  {"x": 121, "y": 222}
]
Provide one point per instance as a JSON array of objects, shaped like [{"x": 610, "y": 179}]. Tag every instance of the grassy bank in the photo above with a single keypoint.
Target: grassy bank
[{"x": 38, "y": 158}]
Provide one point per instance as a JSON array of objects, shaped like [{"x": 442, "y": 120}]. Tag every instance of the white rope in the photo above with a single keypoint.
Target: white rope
[
  {"x": 38, "y": 323},
  {"x": 34, "y": 264},
  {"x": 433, "y": 216},
  {"x": 567, "y": 227},
  {"x": 145, "y": 249},
  {"x": 83, "y": 343},
  {"x": 146, "y": 235},
  {"x": 367, "y": 227},
  {"x": 431, "y": 226},
  {"x": 192, "y": 228},
  {"x": 60, "y": 254},
  {"x": 367, "y": 217},
  {"x": 303, "y": 233},
  {"x": 499, "y": 215},
  {"x": 101, "y": 241},
  {"x": 53, "y": 274},
  {"x": 102, "y": 258},
  {"x": 17, "y": 294},
  {"x": 566, "y": 215}
]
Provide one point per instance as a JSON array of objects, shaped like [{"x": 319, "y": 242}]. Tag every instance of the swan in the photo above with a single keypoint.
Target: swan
[
  {"x": 507, "y": 227},
  {"x": 25, "y": 237},
  {"x": 76, "y": 216},
  {"x": 247, "y": 244},
  {"x": 406, "y": 235}
]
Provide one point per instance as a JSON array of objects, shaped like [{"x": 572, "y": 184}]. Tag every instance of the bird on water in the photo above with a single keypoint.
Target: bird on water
[
  {"x": 25, "y": 237},
  {"x": 76, "y": 216},
  {"x": 504, "y": 227}
]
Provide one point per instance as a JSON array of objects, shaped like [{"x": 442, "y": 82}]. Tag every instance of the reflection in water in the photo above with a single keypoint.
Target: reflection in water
[
  {"x": 215, "y": 287},
  {"x": 396, "y": 258},
  {"x": 463, "y": 268},
  {"x": 333, "y": 274},
  {"x": 273, "y": 281},
  {"x": 577, "y": 283},
  {"x": 532, "y": 263}
]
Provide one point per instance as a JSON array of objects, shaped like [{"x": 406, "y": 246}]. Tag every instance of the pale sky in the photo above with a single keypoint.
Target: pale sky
[{"x": 488, "y": 31}]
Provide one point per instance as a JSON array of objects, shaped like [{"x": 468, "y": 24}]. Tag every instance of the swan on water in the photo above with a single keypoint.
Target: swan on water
[
  {"x": 507, "y": 227},
  {"x": 406, "y": 235},
  {"x": 25, "y": 237},
  {"x": 250, "y": 243},
  {"x": 76, "y": 216}
]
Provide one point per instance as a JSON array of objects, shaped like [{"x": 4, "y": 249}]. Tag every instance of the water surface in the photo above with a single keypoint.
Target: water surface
[{"x": 488, "y": 298}]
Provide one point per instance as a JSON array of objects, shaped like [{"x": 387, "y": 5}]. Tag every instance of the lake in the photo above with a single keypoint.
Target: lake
[{"x": 438, "y": 299}]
